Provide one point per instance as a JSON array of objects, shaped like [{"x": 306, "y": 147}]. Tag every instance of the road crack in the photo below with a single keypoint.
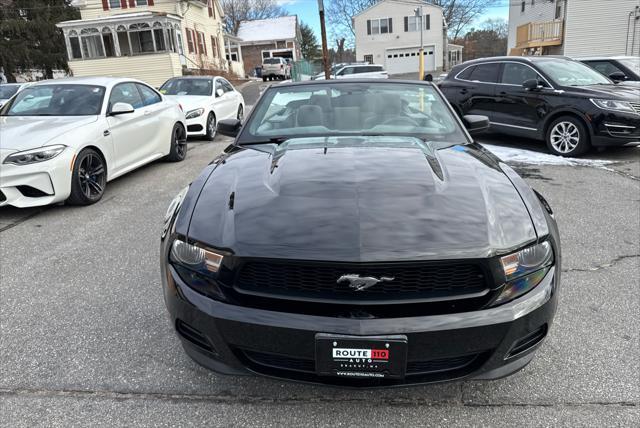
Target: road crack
[
  {"x": 248, "y": 399},
  {"x": 602, "y": 265}
]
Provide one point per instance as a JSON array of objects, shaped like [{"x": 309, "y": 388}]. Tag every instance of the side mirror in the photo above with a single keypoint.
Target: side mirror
[
  {"x": 531, "y": 85},
  {"x": 121, "y": 108},
  {"x": 229, "y": 127},
  {"x": 475, "y": 124},
  {"x": 219, "y": 92},
  {"x": 618, "y": 76}
]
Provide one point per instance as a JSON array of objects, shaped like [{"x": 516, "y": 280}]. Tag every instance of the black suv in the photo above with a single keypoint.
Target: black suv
[{"x": 564, "y": 102}]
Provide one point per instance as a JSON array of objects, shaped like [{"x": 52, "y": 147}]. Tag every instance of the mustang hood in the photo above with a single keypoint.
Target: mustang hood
[
  {"x": 360, "y": 199},
  {"x": 27, "y": 132}
]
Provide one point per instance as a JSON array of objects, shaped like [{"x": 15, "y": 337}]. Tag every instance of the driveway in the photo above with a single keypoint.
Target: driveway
[{"x": 85, "y": 337}]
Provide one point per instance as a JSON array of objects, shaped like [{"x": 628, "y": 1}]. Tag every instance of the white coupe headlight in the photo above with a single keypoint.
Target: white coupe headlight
[
  {"x": 614, "y": 105},
  {"x": 192, "y": 114},
  {"x": 41, "y": 154}
]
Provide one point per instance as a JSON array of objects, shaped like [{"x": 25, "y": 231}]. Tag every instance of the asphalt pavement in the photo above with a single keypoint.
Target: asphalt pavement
[{"x": 85, "y": 338}]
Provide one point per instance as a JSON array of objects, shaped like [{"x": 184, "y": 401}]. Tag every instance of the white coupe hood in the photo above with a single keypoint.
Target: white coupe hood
[
  {"x": 190, "y": 102},
  {"x": 27, "y": 132}
]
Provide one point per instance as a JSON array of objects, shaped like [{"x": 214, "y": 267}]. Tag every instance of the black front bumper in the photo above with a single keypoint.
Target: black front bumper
[
  {"x": 612, "y": 129},
  {"x": 485, "y": 344}
]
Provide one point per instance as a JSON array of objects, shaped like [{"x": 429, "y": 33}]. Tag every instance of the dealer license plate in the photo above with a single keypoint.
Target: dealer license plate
[{"x": 361, "y": 356}]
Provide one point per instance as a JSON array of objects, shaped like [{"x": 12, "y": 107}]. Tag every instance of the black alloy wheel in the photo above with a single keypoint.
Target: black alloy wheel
[
  {"x": 89, "y": 178},
  {"x": 178, "y": 151},
  {"x": 240, "y": 114}
]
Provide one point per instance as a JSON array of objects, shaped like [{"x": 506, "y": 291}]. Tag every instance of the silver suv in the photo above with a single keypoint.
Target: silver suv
[{"x": 275, "y": 69}]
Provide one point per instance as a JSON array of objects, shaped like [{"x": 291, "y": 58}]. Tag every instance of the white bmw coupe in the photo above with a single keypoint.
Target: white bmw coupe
[
  {"x": 206, "y": 100},
  {"x": 63, "y": 140}
]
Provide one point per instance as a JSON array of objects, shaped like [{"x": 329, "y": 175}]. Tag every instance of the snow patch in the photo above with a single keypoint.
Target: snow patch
[{"x": 511, "y": 154}]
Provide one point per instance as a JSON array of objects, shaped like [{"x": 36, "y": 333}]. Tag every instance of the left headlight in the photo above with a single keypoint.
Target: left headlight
[
  {"x": 614, "y": 105},
  {"x": 192, "y": 114},
  {"x": 41, "y": 154},
  {"x": 524, "y": 270}
]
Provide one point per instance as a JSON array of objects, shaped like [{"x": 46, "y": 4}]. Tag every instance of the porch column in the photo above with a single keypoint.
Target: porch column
[
  {"x": 67, "y": 43},
  {"x": 116, "y": 42}
]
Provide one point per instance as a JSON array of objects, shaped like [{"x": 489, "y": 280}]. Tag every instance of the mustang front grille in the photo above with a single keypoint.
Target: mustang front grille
[{"x": 349, "y": 282}]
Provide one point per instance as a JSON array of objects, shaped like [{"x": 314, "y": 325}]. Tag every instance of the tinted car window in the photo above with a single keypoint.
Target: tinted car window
[
  {"x": 466, "y": 73},
  {"x": 604, "y": 67},
  {"x": 198, "y": 87},
  {"x": 149, "y": 96},
  {"x": 226, "y": 86},
  {"x": 7, "y": 91},
  {"x": 516, "y": 74},
  {"x": 347, "y": 70},
  {"x": 485, "y": 73},
  {"x": 125, "y": 93},
  {"x": 272, "y": 61}
]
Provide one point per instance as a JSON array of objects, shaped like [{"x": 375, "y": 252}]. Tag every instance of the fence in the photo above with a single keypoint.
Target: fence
[{"x": 302, "y": 70}]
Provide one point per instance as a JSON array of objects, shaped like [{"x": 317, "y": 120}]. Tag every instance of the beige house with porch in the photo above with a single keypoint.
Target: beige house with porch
[{"x": 148, "y": 40}]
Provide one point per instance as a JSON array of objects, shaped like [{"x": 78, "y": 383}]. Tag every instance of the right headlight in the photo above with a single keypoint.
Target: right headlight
[{"x": 524, "y": 270}]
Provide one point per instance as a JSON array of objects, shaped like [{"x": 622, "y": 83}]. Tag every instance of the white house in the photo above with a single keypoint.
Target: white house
[
  {"x": 388, "y": 33},
  {"x": 574, "y": 27}
]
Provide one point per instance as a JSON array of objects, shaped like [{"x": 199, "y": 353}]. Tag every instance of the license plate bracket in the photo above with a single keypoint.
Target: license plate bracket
[{"x": 361, "y": 356}]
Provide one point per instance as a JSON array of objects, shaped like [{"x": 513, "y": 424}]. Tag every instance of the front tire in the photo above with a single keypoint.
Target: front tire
[
  {"x": 212, "y": 129},
  {"x": 567, "y": 136},
  {"x": 240, "y": 114},
  {"x": 88, "y": 179},
  {"x": 178, "y": 151}
]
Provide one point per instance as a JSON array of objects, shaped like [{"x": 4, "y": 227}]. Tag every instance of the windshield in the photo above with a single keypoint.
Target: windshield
[
  {"x": 571, "y": 73},
  {"x": 631, "y": 63},
  {"x": 7, "y": 91},
  {"x": 334, "y": 109},
  {"x": 57, "y": 100},
  {"x": 201, "y": 87}
]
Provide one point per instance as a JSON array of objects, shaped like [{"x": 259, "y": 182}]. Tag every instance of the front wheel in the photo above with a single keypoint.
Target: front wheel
[
  {"x": 567, "y": 136},
  {"x": 89, "y": 178},
  {"x": 240, "y": 114},
  {"x": 178, "y": 150},
  {"x": 212, "y": 128}
]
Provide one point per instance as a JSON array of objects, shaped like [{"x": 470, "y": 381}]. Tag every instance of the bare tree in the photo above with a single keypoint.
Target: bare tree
[
  {"x": 499, "y": 26},
  {"x": 236, "y": 11},
  {"x": 458, "y": 14}
]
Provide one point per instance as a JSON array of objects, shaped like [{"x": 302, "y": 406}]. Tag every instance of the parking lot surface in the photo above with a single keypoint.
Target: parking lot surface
[{"x": 85, "y": 337}]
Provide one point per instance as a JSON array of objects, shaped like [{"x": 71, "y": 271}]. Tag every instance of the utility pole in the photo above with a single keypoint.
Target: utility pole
[
  {"x": 420, "y": 18},
  {"x": 323, "y": 33}
]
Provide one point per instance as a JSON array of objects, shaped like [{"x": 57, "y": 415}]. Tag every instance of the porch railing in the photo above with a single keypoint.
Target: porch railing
[{"x": 535, "y": 34}]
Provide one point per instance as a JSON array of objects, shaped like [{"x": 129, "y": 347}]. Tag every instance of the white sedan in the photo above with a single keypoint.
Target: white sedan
[
  {"x": 206, "y": 100},
  {"x": 63, "y": 140}
]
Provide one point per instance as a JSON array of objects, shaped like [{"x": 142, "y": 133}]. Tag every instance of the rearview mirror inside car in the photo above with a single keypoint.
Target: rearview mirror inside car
[
  {"x": 219, "y": 92},
  {"x": 475, "y": 124},
  {"x": 618, "y": 76},
  {"x": 531, "y": 85},
  {"x": 121, "y": 108},
  {"x": 229, "y": 127}
]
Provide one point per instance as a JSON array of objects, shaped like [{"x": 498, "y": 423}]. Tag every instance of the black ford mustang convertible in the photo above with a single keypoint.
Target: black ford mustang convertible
[{"x": 354, "y": 234}]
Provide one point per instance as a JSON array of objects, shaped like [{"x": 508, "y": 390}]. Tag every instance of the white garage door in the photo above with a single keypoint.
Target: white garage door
[{"x": 399, "y": 61}]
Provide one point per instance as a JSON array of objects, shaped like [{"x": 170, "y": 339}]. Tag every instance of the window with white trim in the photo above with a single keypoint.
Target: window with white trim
[
  {"x": 115, "y": 4},
  {"x": 412, "y": 23},
  {"x": 142, "y": 2}
]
